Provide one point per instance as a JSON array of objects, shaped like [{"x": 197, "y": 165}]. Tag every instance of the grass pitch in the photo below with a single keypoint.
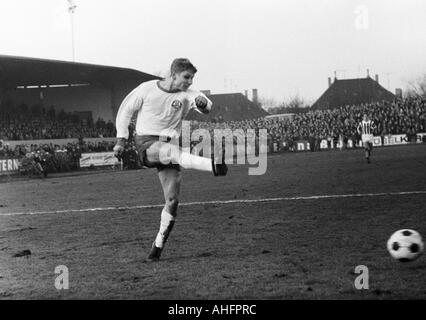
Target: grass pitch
[{"x": 285, "y": 248}]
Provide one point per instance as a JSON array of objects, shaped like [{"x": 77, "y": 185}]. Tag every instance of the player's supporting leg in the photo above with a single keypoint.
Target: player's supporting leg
[
  {"x": 170, "y": 181},
  {"x": 367, "y": 151},
  {"x": 165, "y": 152},
  {"x": 370, "y": 149}
]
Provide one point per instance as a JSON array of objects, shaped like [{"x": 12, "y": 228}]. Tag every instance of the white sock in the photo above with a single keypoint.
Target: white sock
[
  {"x": 166, "y": 225},
  {"x": 190, "y": 161}
]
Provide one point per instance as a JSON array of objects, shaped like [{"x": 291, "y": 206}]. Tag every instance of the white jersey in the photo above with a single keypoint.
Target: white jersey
[
  {"x": 366, "y": 128},
  {"x": 159, "y": 112}
]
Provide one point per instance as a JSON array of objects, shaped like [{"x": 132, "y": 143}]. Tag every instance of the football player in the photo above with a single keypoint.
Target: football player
[
  {"x": 161, "y": 105},
  {"x": 366, "y": 129}
]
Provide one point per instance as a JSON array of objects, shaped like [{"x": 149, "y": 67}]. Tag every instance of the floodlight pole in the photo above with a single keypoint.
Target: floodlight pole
[
  {"x": 71, "y": 10},
  {"x": 72, "y": 37}
]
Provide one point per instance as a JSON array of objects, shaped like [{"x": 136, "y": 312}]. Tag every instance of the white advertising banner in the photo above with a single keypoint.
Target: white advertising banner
[
  {"x": 420, "y": 137},
  {"x": 389, "y": 140},
  {"x": 377, "y": 141},
  {"x": 9, "y": 166},
  {"x": 395, "y": 139},
  {"x": 98, "y": 159}
]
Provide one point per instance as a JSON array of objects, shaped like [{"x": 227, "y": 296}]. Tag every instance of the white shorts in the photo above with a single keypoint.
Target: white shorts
[{"x": 367, "y": 138}]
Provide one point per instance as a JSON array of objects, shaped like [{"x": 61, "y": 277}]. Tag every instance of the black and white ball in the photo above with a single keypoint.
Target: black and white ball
[{"x": 405, "y": 245}]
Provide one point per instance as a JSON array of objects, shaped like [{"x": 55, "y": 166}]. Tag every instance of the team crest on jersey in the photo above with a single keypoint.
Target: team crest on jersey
[{"x": 177, "y": 104}]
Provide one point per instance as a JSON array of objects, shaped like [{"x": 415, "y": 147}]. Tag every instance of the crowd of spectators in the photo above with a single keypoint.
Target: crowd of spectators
[
  {"x": 36, "y": 123},
  {"x": 403, "y": 116}
]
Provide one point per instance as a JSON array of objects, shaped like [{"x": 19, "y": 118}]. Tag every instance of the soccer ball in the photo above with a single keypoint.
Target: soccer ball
[{"x": 405, "y": 245}]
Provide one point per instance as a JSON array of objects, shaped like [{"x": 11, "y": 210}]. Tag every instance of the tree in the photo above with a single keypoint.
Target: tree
[
  {"x": 294, "y": 104},
  {"x": 268, "y": 103},
  {"x": 417, "y": 87}
]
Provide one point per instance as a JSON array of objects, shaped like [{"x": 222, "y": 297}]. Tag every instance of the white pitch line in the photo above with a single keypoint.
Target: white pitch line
[{"x": 187, "y": 204}]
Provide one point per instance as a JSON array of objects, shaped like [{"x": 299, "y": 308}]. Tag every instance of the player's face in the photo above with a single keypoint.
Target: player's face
[{"x": 183, "y": 80}]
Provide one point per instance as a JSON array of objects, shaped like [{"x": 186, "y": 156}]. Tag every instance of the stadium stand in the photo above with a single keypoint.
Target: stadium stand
[
  {"x": 35, "y": 123},
  {"x": 400, "y": 116},
  {"x": 406, "y": 116}
]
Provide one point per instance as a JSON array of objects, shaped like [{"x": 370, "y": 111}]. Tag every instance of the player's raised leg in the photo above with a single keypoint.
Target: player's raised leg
[
  {"x": 170, "y": 181},
  {"x": 161, "y": 152}
]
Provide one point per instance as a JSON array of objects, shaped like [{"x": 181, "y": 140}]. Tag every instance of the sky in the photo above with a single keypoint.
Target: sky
[{"x": 283, "y": 48}]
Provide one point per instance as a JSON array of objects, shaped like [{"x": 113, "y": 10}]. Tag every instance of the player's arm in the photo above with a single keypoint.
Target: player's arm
[
  {"x": 358, "y": 129},
  {"x": 200, "y": 102},
  {"x": 132, "y": 103}
]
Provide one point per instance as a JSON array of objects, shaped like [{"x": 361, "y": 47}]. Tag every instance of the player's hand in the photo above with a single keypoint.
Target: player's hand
[
  {"x": 119, "y": 148},
  {"x": 201, "y": 103}
]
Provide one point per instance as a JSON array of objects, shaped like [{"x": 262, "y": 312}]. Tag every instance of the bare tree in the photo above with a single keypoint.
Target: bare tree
[
  {"x": 417, "y": 88},
  {"x": 268, "y": 103},
  {"x": 296, "y": 102},
  {"x": 293, "y": 104}
]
